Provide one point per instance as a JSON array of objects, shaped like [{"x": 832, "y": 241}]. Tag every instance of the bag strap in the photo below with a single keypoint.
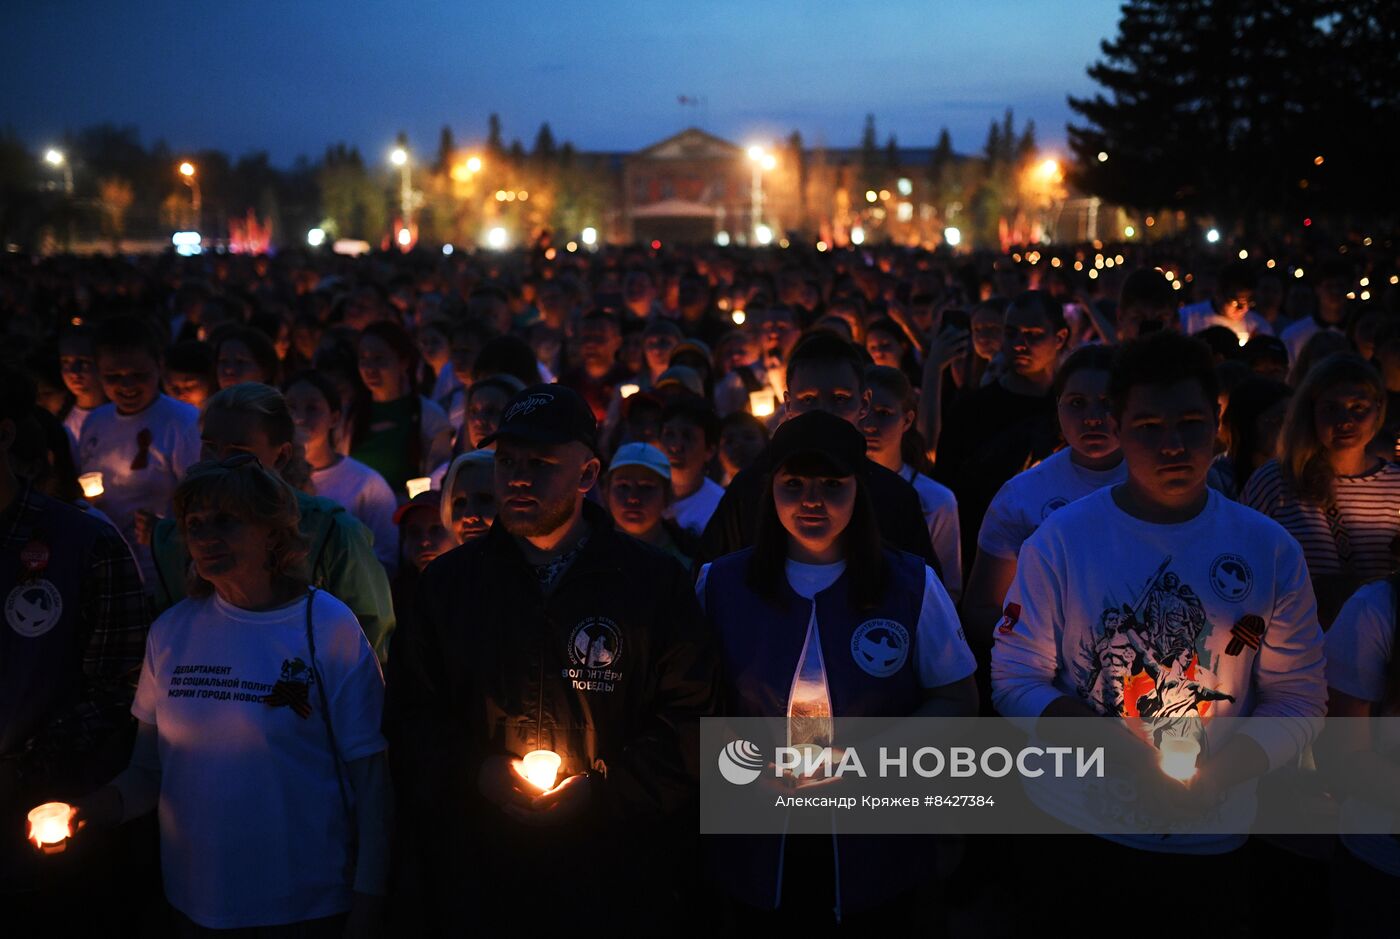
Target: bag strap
[{"x": 326, "y": 712}]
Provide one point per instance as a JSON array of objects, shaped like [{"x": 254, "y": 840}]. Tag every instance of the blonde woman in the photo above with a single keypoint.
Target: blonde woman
[
  {"x": 1326, "y": 488},
  {"x": 259, "y": 707},
  {"x": 255, "y": 419}
]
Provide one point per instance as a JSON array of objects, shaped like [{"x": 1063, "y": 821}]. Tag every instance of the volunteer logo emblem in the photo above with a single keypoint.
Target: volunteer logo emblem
[
  {"x": 596, "y": 643},
  {"x": 1231, "y": 578},
  {"x": 34, "y": 608},
  {"x": 880, "y": 647},
  {"x": 740, "y": 762}
]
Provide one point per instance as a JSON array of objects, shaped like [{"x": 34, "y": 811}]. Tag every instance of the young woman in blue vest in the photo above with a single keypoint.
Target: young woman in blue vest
[{"x": 818, "y": 622}]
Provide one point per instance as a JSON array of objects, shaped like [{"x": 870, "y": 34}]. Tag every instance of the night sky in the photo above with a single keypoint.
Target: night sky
[{"x": 292, "y": 76}]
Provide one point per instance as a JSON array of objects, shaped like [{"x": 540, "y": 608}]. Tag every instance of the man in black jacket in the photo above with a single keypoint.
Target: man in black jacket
[
  {"x": 825, "y": 373},
  {"x": 552, "y": 632}
]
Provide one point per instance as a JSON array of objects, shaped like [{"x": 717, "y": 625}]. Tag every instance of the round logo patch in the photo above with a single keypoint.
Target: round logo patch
[
  {"x": 880, "y": 647},
  {"x": 596, "y": 643},
  {"x": 34, "y": 608},
  {"x": 1053, "y": 505},
  {"x": 1231, "y": 578}
]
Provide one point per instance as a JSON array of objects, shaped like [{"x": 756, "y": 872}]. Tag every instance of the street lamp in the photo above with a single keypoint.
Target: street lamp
[
  {"x": 188, "y": 177},
  {"x": 57, "y": 158},
  {"x": 761, "y": 160},
  {"x": 399, "y": 157}
]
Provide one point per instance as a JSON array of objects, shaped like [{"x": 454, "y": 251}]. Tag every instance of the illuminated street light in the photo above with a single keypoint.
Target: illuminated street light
[
  {"x": 1049, "y": 169},
  {"x": 1213, "y": 235},
  {"x": 53, "y": 157},
  {"x": 762, "y": 160},
  {"x": 763, "y": 234},
  {"x": 405, "y": 237},
  {"x": 447, "y": 249},
  {"x": 189, "y": 178},
  {"x": 497, "y": 238},
  {"x": 1129, "y": 231},
  {"x": 857, "y": 235},
  {"x": 952, "y": 236},
  {"x": 589, "y": 236},
  {"x": 316, "y": 237},
  {"x": 474, "y": 164},
  {"x": 399, "y": 156},
  {"x": 722, "y": 239},
  {"x": 1103, "y": 156}
]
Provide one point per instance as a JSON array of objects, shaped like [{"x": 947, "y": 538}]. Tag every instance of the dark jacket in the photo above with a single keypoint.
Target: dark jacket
[
  {"x": 612, "y": 671},
  {"x": 735, "y": 522}
]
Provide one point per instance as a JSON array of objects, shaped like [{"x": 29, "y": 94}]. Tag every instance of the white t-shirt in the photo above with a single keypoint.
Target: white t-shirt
[
  {"x": 73, "y": 423},
  {"x": 141, "y": 457},
  {"x": 1199, "y": 316},
  {"x": 1359, "y": 646},
  {"x": 1137, "y": 619},
  {"x": 693, "y": 512},
  {"x": 365, "y": 495},
  {"x": 1027, "y": 499},
  {"x": 253, "y": 830},
  {"x": 940, "y": 509},
  {"x": 941, "y": 652}
]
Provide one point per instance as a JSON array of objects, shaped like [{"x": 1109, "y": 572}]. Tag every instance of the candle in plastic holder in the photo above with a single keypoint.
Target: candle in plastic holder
[
  {"x": 761, "y": 403},
  {"x": 628, "y": 390},
  {"x": 50, "y": 826},
  {"x": 1177, "y": 757},
  {"x": 540, "y": 768},
  {"x": 416, "y": 487},
  {"x": 92, "y": 485}
]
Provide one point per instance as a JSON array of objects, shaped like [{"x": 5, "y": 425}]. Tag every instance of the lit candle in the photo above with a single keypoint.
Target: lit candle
[
  {"x": 761, "y": 403},
  {"x": 49, "y": 827},
  {"x": 92, "y": 485},
  {"x": 1178, "y": 757},
  {"x": 416, "y": 487},
  {"x": 738, "y": 316},
  {"x": 540, "y": 768},
  {"x": 628, "y": 390}
]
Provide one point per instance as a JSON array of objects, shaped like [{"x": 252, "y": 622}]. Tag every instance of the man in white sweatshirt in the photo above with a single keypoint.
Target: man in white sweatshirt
[{"x": 1159, "y": 599}]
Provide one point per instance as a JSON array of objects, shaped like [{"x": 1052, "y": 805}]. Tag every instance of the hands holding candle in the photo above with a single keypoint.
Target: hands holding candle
[{"x": 526, "y": 790}]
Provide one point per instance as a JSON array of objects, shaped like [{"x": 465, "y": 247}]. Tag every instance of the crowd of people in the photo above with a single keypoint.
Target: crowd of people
[{"x": 304, "y": 554}]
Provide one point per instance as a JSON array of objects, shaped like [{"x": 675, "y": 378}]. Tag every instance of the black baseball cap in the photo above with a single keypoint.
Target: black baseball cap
[
  {"x": 548, "y": 414},
  {"x": 820, "y": 433}
]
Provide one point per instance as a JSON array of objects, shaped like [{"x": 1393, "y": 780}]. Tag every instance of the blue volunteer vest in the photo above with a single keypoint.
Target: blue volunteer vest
[
  {"x": 40, "y": 652},
  {"x": 869, "y": 654},
  {"x": 870, "y": 671}
]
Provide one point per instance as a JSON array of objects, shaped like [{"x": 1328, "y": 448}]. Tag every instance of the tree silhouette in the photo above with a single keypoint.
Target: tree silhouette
[{"x": 1222, "y": 106}]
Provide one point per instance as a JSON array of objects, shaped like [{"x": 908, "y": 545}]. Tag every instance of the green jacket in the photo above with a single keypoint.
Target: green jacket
[{"x": 342, "y": 563}]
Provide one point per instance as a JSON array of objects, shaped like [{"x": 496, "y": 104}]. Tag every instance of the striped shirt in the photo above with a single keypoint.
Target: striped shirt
[{"x": 1369, "y": 507}]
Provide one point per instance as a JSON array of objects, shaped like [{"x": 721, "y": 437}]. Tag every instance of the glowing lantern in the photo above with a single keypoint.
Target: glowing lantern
[
  {"x": 540, "y": 768},
  {"x": 50, "y": 826},
  {"x": 92, "y": 485},
  {"x": 1177, "y": 757},
  {"x": 761, "y": 403}
]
